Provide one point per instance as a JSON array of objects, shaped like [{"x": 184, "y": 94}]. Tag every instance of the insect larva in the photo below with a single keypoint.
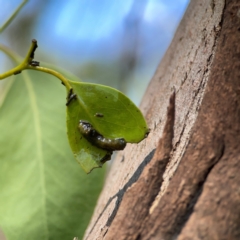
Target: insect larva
[
  {"x": 146, "y": 135},
  {"x": 17, "y": 72},
  {"x": 98, "y": 115},
  {"x": 107, "y": 157},
  {"x": 98, "y": 140},
  {"x": 35, "y": 63},
  {"x": 70, "y": 96}
]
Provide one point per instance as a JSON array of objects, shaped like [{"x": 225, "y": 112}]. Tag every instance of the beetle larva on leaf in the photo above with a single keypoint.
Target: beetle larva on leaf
[
  {"x": 70, "y": 96},
  {"x": 98, "y": 140},
  {"x": 98, "y": 115}
]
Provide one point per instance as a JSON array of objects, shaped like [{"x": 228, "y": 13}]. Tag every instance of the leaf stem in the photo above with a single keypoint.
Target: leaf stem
[
  {"x": 52, "y": 72},
  {"x": 22, "y": 66},
  {"x": 9, "y": 20},
  {"x": 27, "y": 63}
]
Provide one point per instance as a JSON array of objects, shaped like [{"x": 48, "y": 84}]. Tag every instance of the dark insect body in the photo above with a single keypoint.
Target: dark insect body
[
  {"x": 70, "y": 96},
  {"x": 98, "y": 115},
  {"x": 17, "y": 72},
  {"x": 147, "y": 133},
  {"x": 107, "y": 157},
  {"x": 34, "y": 63},
  {"x": 94, "y": 137}
]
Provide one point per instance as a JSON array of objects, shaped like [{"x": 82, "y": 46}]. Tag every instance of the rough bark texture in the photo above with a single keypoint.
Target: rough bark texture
[
  {"x": 198, "y": 196},
  {"x": 138, "y": 199}
]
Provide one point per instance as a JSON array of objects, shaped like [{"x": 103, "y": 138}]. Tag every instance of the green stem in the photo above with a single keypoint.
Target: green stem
[
  {"x": 22, "y": 66},
  {"x": 54, "y": 73},
  {"x": 13, "y": 16},
  {"x": 26, "y": 64}
]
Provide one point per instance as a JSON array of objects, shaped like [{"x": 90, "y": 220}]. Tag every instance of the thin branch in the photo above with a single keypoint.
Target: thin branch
[
  {"x": 52, "y": 72},
  {"x": 9, "y": 20},
  {"x": 22, "y": 65},
  {"x": 28, "y": 63}
]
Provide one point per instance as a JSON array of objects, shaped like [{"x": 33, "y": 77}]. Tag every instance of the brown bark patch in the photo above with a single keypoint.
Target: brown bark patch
[
  {"x": 203, "y": 195},
  {"x": 199, "y": 196},
  {"x": 138, "y": 199}
]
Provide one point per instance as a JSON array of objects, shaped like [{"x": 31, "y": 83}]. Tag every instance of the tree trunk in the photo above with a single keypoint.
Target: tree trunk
[{"x": 190, "y": 188}]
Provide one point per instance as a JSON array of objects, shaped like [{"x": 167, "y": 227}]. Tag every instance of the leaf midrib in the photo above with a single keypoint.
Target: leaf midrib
[{"x": 37, "y": 128}]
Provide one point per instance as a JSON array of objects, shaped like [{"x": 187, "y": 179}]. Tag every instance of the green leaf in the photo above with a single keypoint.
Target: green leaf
[
  {"x": 110, "y": 112},
  {"x": 43, "y": 193}
]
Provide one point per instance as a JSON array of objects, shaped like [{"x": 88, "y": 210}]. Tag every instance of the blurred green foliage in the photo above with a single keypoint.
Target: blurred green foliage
[{"x": 44, "y": 193}]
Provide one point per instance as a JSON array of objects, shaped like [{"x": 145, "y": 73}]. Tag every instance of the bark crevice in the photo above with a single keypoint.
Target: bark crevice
[
  {"x": 146, "y": 188},
  {"x": 120, "y": 193}
]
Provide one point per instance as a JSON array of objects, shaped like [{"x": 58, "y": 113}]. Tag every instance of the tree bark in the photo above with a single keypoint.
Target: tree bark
[{"x": 190, "y": 188}]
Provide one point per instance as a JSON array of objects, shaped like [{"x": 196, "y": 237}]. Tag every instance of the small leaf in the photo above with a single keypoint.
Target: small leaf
[{"x": 110, "y": 112}]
